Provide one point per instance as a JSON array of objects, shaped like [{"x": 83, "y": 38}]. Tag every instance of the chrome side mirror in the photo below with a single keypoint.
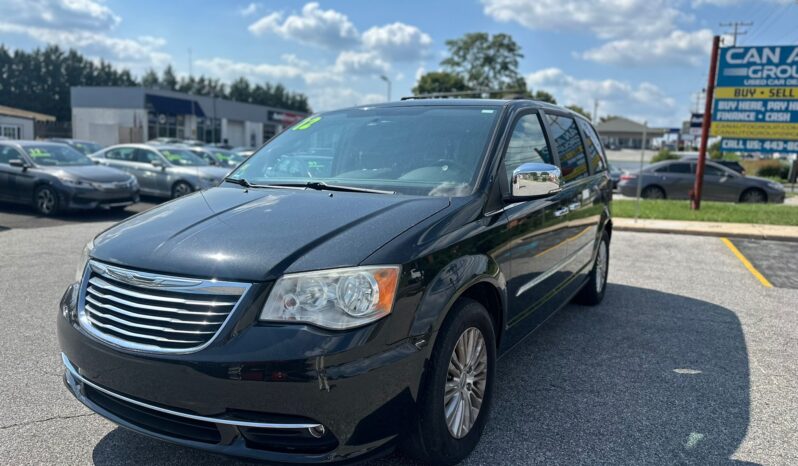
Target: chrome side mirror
[{"x": 536, "y": 180}]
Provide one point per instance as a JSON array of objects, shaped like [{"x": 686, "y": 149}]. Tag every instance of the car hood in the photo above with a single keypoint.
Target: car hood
[
  {"x": 758, "y": 179},
  {"x": 95, "y": 173},
  {"x": 259, "y": 234}
]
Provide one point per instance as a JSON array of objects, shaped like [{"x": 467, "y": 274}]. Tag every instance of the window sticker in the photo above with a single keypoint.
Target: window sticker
[
  {"x": 171, "y": 156},
  {"x": 37, "y": 152},
  {"x": 306, "y": 123}
]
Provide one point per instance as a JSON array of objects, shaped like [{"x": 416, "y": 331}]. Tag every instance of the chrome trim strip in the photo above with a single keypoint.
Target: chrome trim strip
[
  {"x": 264, "y": 425},
  {"x": 112, "y": 308},
  {"x": 206, "y": 287},
  {"x": 166, "y": 282},
  {"x": 98, "y": 282},
  {"x": 146, "y": 326},
  {"x": 137, "y": 335},
  {"x": 535, "y": 281},
  {"x": 175, "y": 310}
]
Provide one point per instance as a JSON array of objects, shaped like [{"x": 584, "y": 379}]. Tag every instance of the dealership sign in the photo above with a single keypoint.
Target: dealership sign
[{"x": 756, "y": 99}]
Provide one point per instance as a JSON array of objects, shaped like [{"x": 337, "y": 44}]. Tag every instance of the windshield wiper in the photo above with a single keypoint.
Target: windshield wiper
[
  {"x": 243, "y": 182},
  {"x": 322, "y": 186}
]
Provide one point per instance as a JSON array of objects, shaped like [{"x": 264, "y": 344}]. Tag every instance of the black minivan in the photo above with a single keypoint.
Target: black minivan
[{"x": 349, "y": 287}]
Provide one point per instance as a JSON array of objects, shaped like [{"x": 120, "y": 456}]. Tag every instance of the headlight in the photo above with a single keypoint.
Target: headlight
[
  {"x": 74, "y": 183},
  {"x": 776, "y": 186},
  {"x": 335, "y": 299},
  {"x": 133, "y": 182},
  {"x": 84, "y": 259}
]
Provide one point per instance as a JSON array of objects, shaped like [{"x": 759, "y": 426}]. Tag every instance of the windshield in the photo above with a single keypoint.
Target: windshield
[
  {"x": 423, "y": 150},
  {"x": 87, "y": 147},
  {"x": 52, "y": 155},
  {"x": 183, "y": 158}
]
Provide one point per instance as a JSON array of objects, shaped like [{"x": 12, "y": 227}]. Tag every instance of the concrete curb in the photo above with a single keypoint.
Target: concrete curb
[{"x": 731, "y": 230}]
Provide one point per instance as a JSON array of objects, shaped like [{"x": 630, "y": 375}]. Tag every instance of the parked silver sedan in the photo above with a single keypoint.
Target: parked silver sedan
[
  {"x": 162, "y": 171},
  {"x": 674, "y": 180}
]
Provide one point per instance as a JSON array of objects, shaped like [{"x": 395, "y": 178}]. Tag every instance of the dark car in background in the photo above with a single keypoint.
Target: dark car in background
[
  {"x": 615, "y": 176},
  {"x": 674, "y": 179},
  {"x": 163, "y": 171},
  {"x": 53, "y": 177},
  {"x": 349, "y": 287},
  {"x": 85, "y": 147}
]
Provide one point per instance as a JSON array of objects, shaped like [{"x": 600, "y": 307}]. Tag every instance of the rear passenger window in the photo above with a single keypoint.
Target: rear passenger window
[
  {"x": 8, "y": 154},
  {"x": 595, "y": 154},
  {"x": 566, "y": 138},
  {"x": 680, "y": 168},
  {"x": 527, "y": 145},
  {"x": 713, "y": 171},
  {"x": 120, "y": 154}
]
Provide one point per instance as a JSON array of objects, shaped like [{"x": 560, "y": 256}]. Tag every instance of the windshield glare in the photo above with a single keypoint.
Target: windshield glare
[
  {"x": 423, "y": 150},
  {"x": 56, "y": 155},
  {"x": 183, "y": 158}
]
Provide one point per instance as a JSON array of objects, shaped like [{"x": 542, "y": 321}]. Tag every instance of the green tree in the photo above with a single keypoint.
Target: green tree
[
  {"x": 240, "y": 90},
  {"x": 579, "y": 110},
  {"x": 544, "y": 96},
  {"x": 607, "y": 117},
  {"x": 436, "y": 82},
  {"x": 168, "y": 78},
  {"x": 484, "y": 61},
  {"x": 150, "y": 79}
]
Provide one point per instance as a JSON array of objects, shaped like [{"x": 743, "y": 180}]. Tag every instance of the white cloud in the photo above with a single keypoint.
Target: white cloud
[
  {"x": 397, "y": 41},
  {"x": 137, "y": 54},
  {"x": 229, "y": 70},
  {"x": 67, "y": 14},
  {"x": 250, "y": 9},
  {"x": 362, "y": 63},
  {"x": 325, "y": 28},
  {"x": 677, "y": 48},
  {"x": 644, "y": 101},
  {"x": 604, "y": 18}
]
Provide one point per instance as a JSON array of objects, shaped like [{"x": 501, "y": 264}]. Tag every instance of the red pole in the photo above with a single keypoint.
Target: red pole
[{"x": 702, "y": 151}]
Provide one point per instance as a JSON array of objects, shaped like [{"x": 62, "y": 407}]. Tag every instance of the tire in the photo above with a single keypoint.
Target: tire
[
  {"x": 46, "y": 201},
  {"x": 180, "y": 189},
  {"x": 653, "y": 192},
  {"x": 592, "y": 293},
  {"x": 754, "y": 196},
  {"x": 432, "y": 439}
]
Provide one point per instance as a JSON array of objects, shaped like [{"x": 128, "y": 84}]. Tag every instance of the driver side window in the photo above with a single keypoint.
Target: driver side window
[{"x": 527, "y": 145}]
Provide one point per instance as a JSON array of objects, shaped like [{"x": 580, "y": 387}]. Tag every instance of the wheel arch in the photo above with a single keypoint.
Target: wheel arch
[{"x": 753, "y": 188}]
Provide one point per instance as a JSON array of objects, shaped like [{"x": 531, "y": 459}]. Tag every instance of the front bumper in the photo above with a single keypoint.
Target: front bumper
[
  {"x": 84, "y": 199},
  {"x": 258, "y": 392}
]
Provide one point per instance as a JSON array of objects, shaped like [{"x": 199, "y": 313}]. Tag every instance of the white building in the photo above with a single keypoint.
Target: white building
[
  {"x": 114, "y": 115},
  {"x": 16, "y": 123}
]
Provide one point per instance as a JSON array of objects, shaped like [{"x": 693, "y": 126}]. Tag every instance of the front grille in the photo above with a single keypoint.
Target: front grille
[{"x": 154, "y": 312}]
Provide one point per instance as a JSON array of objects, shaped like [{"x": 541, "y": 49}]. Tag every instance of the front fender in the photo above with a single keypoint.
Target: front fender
[{"x": 449, "y": 283}]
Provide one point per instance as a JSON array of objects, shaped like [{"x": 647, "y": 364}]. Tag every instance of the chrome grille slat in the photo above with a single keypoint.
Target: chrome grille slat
[
  {"x": 144, "y": 326},
  {"x": 105, "y": 285},
  {"x": 152, "y": 308},
  {"x": 140, "y": 335},
  {"x": 153, "y": 312}
]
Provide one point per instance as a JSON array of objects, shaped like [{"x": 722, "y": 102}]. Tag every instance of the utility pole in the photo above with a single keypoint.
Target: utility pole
[
  {"x": 388, "y": 81},
  {"x": 595, "y": 111},
  {"x": 735, "y": 29}
]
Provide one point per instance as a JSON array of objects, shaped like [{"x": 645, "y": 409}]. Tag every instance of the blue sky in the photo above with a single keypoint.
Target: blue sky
[{"x": 645, "y": 59}]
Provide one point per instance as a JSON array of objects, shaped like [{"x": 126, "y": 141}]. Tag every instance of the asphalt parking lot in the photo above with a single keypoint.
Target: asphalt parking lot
[{"x": 690, "y": 359}]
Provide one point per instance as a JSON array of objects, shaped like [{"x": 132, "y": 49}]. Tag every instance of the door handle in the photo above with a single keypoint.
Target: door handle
[{"x": 561, "y": 211}]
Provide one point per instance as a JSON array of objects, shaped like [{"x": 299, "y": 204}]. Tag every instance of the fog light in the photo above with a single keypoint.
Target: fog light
[{"x": 317, "y": 431}]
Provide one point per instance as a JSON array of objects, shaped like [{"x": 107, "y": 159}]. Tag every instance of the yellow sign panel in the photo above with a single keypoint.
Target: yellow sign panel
[
  {"x": 748, "y": 130},
  {"x": 780, "y": 93}
]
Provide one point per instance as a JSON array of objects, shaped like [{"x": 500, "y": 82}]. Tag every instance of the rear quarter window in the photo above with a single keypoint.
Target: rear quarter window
[{"x": 595, "y": 152}]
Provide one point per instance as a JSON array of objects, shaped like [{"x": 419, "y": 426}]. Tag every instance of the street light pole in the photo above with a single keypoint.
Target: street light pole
[{"x": 388, "y": 81}]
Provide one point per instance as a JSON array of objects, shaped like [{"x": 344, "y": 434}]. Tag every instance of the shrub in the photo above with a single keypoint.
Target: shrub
[
  {"x": 776, "y": 170},
  {"x": 664, "y": 154}
]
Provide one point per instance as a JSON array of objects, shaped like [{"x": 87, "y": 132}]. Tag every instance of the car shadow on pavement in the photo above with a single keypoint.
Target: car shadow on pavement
[
  {"x": 646, "y": 378},
  {"x": 14, "y": 216}
]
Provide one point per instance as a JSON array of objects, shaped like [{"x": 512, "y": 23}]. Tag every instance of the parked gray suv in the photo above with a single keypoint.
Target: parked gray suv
[
  {"x": 163, "y": 171},
  {"x": 674, "y": 180}
]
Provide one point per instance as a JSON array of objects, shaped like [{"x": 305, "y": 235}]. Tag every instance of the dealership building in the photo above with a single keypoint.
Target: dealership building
[{"x": 114, "y": 115}]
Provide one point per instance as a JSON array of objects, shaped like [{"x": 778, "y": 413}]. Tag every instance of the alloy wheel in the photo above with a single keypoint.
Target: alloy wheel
[
  {"x": 465, "y": 382},
  {"x": 601, "y": 266},
  {"x": 45, "y": 201},
  {"x": 181, "y": 190}
]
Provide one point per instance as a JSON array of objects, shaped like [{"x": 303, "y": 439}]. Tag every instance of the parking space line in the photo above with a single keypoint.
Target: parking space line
[{"x": 747, "y": 263}]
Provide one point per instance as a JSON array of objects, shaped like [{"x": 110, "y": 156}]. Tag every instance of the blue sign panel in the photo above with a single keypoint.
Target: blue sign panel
[
  {"x": 758, "y": 67},
  {"x": 757, "y": 145}
]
